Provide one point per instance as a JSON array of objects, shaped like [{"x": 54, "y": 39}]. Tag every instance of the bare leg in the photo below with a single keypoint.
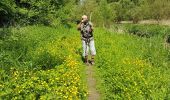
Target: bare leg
[{"x": 92, "y": 59}]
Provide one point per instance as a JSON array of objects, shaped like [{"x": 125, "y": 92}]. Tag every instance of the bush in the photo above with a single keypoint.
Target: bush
[{"x": 143, "y": 30}]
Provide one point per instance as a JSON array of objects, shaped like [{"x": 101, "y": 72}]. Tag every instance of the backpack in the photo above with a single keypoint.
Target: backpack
[{"x": 85, "y": 30}]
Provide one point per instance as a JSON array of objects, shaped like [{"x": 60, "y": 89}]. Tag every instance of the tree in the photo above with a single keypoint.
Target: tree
[
  {"x": 7, "y": 12},
  {"x": 88, "y": 8},
  {"x": 31, "y": 11},
  {"x": 106, "y": 13}
]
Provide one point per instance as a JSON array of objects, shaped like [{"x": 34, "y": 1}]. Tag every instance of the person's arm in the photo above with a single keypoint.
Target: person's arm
[
  {"x": 91, "y": 25},
  {"x": 79, "y": 26}
]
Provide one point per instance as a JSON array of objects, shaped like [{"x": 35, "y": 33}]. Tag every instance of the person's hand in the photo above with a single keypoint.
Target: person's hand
[{"x": 82, "y": 21}]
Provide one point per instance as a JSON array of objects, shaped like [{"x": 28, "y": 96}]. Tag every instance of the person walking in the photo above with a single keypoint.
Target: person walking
[{"x": 86, "y": 29}]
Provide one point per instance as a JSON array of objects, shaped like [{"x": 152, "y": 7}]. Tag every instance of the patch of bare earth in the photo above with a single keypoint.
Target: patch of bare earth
[
  {"x": 92, "y": 92},
  {"x": 161, "y": 22}
]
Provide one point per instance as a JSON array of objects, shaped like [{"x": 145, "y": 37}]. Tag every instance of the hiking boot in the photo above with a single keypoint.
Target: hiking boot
[
  {"x": 86, "y": 59},
  {"x": 92, "y": 60}
]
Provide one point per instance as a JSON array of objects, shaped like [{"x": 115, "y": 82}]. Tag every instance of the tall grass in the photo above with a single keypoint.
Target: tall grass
[
  {"x": 39, "y": 62},
  {"x": 132, "y": 67}
]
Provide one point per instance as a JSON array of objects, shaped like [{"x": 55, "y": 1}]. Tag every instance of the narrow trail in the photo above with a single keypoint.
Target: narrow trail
[{"x": 93, "y": 93}]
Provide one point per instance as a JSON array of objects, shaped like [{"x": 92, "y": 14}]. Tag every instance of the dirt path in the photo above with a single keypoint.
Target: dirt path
[
  {"x": 161, "y": 22},
  {"x": 93, "y": 93}
]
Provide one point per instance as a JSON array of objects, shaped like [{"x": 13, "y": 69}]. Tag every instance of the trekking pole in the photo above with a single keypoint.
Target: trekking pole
[{"x": 90, "y": 15}]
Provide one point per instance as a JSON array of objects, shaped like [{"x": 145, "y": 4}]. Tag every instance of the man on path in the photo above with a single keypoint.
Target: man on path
[{"x": 86, "y": 29}]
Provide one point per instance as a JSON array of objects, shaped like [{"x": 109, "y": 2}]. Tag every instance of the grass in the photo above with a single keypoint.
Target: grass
[
  {"x": 43, "y": 57},
  {"x": 132, "y": 67},
  {"x": 40, "y": 62}
]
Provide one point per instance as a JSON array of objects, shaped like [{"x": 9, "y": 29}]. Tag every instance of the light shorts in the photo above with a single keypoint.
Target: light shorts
[{"x": 86, "y": 47}]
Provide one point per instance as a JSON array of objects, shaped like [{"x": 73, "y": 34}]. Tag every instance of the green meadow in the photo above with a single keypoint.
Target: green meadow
[{"x": 40, "y": 62}]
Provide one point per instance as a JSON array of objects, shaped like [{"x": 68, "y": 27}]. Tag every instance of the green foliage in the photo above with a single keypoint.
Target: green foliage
[
  {"x": 106, "y": 13},
  {"x": 61, "y": 82},
  {"x": 38, "y": 62},
  {"x": 26, "y": 12},
  {"x": 130, "y": 67},
  {"x": 158, "y": 9},
  {"x": 102, "y": 12},
  {"x": 142, "y": 30}
]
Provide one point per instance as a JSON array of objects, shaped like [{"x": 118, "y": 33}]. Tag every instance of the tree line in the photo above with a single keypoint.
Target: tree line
[{"x": 101, "y": 12}]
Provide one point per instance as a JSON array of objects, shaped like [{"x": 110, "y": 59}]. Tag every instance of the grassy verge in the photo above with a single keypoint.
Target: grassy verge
[
  {"x": 39, "y": 62},
  {"x": 132, "y": 67}
]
